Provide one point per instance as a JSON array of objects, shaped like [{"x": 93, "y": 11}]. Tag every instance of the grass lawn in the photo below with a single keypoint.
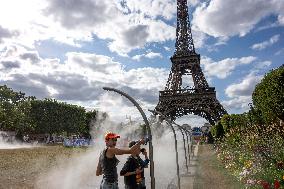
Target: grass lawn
[{"x": 20, "y": 168}]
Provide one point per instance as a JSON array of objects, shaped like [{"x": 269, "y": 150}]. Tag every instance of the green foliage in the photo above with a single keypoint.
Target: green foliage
[
  {"x": 218, "y": 131},
  {"x": 251, "y": 147},
  {"x": 225, "y": 121},
  {"x": 51, "y": 116},
  {"x": 268, "y": 95},
  {"x": 13, "y": 110},
  {"x": 254, "y": 157},
  {"x": 9, "y": 96},
  {"x": 29, "y": 115}
]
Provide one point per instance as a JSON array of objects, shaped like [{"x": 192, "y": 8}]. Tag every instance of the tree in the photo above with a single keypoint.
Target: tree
[
  {"x": 226, "y": 122},
  {"x": 29, "y": 115},
  {"x": 218, "y": 131},
  {"x": 13, "y": 106},
  {"x": 51, "y": 116},
  {"x": 8, "y": 95},
  {"x": 268, "y": 96}
]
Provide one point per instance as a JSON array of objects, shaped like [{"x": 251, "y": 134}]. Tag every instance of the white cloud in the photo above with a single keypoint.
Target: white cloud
[
  {"x": 224, "y": 68},
  {"x": 150, "y": 55},
  {"x": 244, "y": 88},
  {"x": 153, "y": 8},
  {"x": 199, "y": 37},
  {"x": 281, "y": 19},
  {"x": 267, "y": 26},
  {"x": 79, "y": 79},
  {"x": 192, "y": 3},
  {"x": 167, "y": 48},
  {"x": 241, "y": 93},
  {"x": 279, "y": 52},
  {"x": 31, "y": 25},
  {"x": 221, "y": 18},
  {"x": 238, "y": 104},
  {"x": 75, "y": 21},
  {"x": 124, "y": 32},
  {"x": 262, "y": 65},
  {"x": 5, "y": 33},
  {"x": 138, "y": 57},
  {"x": 265, "y": 44},
  {"x": 192, "y": 120},
  {"x": 118, "y": 107}
]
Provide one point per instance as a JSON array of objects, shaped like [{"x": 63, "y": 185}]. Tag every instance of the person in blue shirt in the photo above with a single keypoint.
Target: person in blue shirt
[{"x": 133, "y": 169}]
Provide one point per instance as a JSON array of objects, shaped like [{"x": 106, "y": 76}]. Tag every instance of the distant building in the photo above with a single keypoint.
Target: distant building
[
  {"x": 186, "y": 126},
  {"x": 206, "y": 127}
]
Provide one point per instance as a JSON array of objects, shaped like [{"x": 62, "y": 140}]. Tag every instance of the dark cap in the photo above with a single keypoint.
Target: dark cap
[{"x": 132, "y": 143}]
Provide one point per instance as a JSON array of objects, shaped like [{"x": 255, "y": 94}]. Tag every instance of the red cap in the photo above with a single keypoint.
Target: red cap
[{"x": 111, "y": 135}]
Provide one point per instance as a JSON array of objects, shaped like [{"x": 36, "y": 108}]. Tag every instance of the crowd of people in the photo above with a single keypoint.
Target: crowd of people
[
  {"x": 71, "y": 141},
  {"x": 76, "y": 142},
  {"x": 133, "y": 169}
]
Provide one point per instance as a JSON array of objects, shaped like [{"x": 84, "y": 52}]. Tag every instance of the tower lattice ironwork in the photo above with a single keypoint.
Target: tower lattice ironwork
[{"x": 177, "y": 99}]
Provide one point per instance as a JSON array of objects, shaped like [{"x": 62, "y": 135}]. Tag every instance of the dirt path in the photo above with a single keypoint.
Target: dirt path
[{"x": 210, "y": 173}]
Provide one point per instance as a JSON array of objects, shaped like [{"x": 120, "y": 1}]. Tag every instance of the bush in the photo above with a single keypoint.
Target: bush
[
  {"x": 218, "y": 131},
  {"x": 268, "y": 95}
]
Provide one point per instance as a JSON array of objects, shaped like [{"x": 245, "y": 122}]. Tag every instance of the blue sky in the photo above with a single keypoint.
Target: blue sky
[{"x": 70, "y": 49}]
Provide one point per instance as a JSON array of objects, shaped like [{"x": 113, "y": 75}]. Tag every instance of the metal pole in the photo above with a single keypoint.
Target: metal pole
[
  {"x": 190, "y": 138},
  {"x": 181, "y": 130},
  {"x": 175, "y": 137},
  {"x": 148, "y": 129},
  {"x": 188, "y": 153}
]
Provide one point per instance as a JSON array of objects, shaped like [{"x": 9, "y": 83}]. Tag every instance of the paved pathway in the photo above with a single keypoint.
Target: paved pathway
[
  {"x": 206, "y": 172},
  {"x": 187, "y": 180}
]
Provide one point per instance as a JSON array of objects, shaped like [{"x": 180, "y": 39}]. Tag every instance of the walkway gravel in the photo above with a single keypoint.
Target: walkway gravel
[{"x": 206, "y": 172}]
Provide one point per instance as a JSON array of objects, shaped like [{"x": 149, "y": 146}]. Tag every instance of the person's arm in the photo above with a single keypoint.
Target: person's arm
[
  {"x": 118, "y": 151},
  {"x": 126, "y": 170},
  {"x": 133, "y": 172},
  {"x": 99, "y": 170},
  {"x": 145, "y": 162}
]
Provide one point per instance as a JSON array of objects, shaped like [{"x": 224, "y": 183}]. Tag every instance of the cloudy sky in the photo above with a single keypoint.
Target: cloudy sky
[{"x": 70, "y": 49}]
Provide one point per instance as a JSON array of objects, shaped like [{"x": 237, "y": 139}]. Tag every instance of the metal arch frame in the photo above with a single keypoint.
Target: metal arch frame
[
  {"x": 188, "y": 133},
  {"x": 181, "y": 130},
  {"x": 184, "y": 130},
  {"x": 175, "y": 137},
  {"x": 147, "y": 126}
]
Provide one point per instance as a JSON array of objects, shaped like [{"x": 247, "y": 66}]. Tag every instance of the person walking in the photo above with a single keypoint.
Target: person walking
[
  {"x": 133, "y": 169},
  {"x": 107, "y": 165}
]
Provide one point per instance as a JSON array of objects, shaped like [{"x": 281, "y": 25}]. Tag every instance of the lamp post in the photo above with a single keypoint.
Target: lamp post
[
  {"x": 147, "y": 126},
  {"x": 175, "y": 137}
]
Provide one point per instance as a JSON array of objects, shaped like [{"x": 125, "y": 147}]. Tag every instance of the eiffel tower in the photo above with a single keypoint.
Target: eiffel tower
[{"x": 177, "y": 100}]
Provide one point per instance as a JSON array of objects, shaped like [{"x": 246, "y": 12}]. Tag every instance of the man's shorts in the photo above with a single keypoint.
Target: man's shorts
[{"x": 108, "y": 185}]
